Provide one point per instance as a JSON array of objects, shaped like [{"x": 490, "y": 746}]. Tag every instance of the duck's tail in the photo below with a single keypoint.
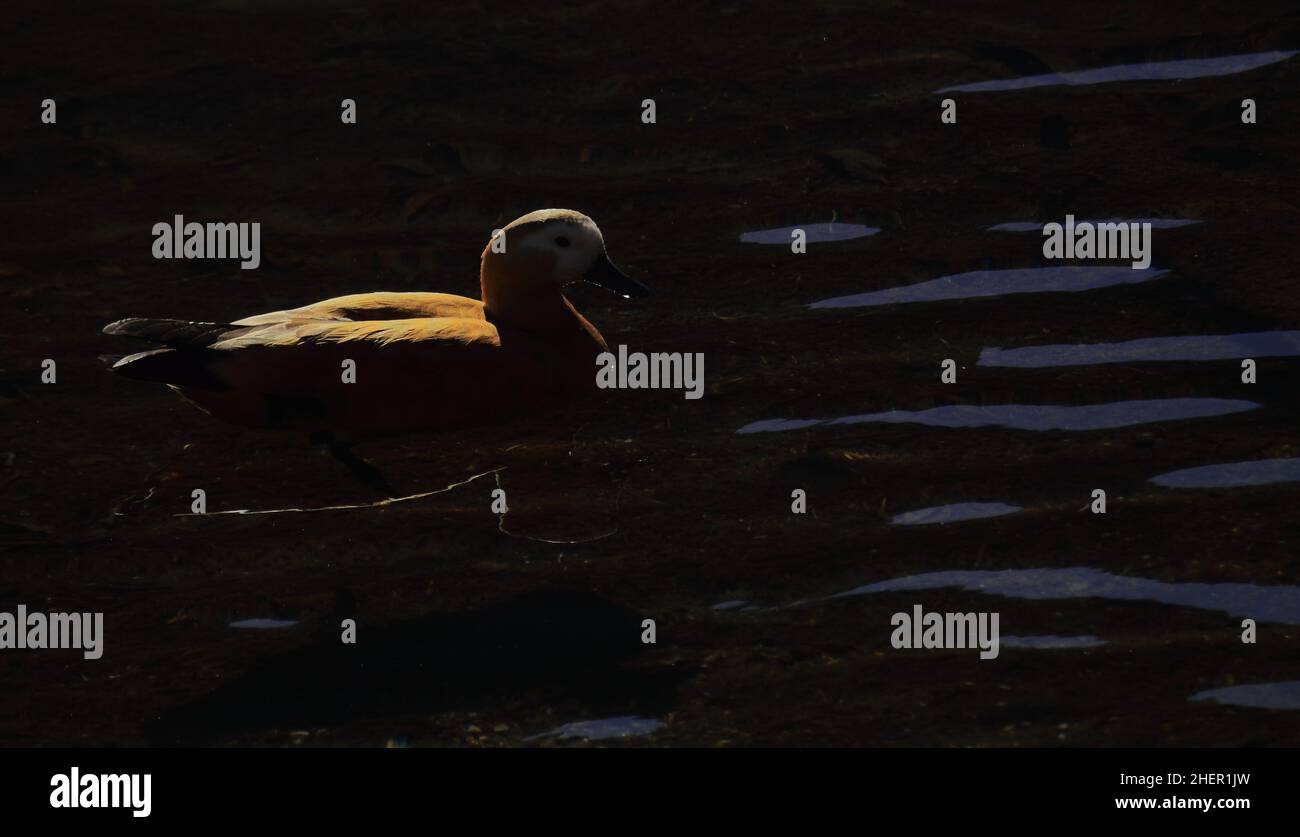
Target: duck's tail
[
  {"x": 174, "y": 333},
  {"x": 184, "y": 360}
]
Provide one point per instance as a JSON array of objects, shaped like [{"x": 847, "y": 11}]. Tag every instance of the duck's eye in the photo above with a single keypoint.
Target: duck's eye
[{"x": 561, "y": 241}]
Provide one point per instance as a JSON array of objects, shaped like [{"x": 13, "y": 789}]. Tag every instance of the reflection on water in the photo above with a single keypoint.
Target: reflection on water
[
  {"x": 1036, "y": 226},
  {"x": 1256, "y": 695},
  {"x": 1212, "y": 347},
  {"x": 264, "y": 624},
  {"x": 1278, "y": 603},
  {"x": 1050, "y": 641},
  {"x": 774, "y": 425},
  {"x": 815, "y": 233},
  {"x": 1031, "y": 416},
  {"x": 624, "y": 726},
  {"x": 953, "y": 513},
  {"x": 1155, "y": 71},
  {"x": 996, "y": 283},
  {"x": 1233, "y": 474}
]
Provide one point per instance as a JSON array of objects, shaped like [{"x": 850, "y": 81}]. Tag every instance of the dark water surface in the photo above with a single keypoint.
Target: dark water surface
[{"x": 526, "y": 629}]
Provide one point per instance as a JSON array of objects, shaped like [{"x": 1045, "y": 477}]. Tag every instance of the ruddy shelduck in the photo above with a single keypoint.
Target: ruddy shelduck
[{"x": 420, "y": 361}]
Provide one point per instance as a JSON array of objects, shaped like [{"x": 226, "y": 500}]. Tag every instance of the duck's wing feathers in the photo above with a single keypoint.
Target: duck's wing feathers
[
  {"x": 377, "y": 306},
  {"x": 297, "y": 355},
  {"x": 390, "y": 355},
  {"x": 298, "y": 333}
]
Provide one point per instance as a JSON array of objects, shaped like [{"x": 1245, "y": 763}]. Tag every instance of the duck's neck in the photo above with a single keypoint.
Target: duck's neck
[
  {"x": 522, "y": 299},
  {"x": 531, "y": 305},
  {"x": 534, "y": 310}
]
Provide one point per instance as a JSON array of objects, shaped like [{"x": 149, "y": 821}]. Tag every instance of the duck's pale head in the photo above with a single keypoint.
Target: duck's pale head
[{"x": 537, "y": 254}]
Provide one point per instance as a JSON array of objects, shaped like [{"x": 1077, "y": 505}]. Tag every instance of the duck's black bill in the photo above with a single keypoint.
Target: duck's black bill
[{"x": 604, "y": 274}]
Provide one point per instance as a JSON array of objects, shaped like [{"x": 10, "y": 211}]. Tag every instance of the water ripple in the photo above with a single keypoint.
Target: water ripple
[
  {"x": 1030, "y": 416},
  {"x": 1153, "y": 71},
  {"x": 1191, "y": 347},
  {"x": 980, "y": 283}
]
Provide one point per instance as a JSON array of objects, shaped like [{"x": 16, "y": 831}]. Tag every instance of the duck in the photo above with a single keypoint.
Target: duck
[{"x": 368, "y": 365}]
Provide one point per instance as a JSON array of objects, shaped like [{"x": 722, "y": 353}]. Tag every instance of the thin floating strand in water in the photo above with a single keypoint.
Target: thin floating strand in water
[
  {"x": 1153, "y": 71},
  {"x": 501, "y": 526},
  {"x": 954, "y": 513},
  {"x": 1285, "y": 695},
  {"x": 1233, "y": 474},
  {"x": 1191, "y": 347},
  {"x": 375, "y": 505},
  {"x": 981, "y": 283},
  {"x": 815, "y": 233},
  {"x": 1279, "y": 603},
  {"x": 1037, "y": 226},
  {"x": 1031, "y": 416}
]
